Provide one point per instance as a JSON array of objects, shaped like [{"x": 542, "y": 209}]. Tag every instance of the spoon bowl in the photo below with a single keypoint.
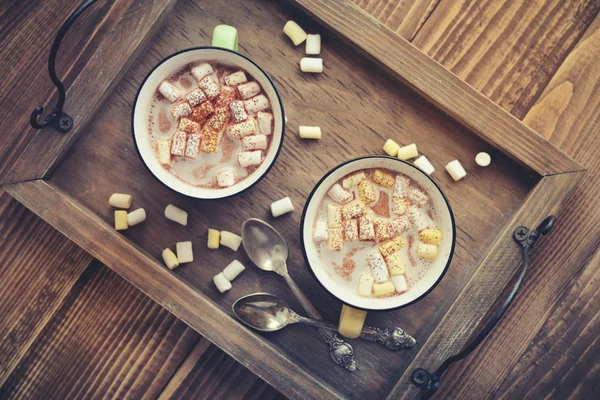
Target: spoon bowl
[
  {"x": 262, "y": 311},
  {"x": 265, "y": 247}
]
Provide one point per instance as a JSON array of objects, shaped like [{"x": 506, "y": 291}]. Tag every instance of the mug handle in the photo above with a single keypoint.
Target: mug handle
[
  {"x": 225, "y": 36},
  {"x": 351, "y": 322}
]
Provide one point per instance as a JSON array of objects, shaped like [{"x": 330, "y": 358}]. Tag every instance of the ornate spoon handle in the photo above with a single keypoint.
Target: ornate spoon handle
[
  {"x": 393, "y": 339},
  {"x": 341, "y": 352}
]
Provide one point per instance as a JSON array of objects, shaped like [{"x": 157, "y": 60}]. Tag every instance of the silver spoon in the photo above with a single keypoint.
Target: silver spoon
[
  {"x": 268, "y": 251},
  {"x": 268, "y": 313}
]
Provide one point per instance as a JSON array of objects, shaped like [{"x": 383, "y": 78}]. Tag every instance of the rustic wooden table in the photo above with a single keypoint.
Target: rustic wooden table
[{"x": 73, "y": 328}]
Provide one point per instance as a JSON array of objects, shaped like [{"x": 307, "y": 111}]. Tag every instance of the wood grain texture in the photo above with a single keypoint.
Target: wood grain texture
[
  {"x": 567, "y": 113},
  {"x": 108, "y": 340},
  {"x": 445, "y": 90},
  {"x": 405, "y": 17},
  {"x": 167, "y": 289},
  {"x": 39, "y": 266},
  {"x": 209, "y": 373},
  {"x": 130, "y": 25},
  {"x": 508, "y": 50}
]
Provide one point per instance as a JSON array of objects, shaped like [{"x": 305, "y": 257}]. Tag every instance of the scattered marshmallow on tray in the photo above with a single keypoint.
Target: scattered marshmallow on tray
[
  {"x": 184, "y": 252},
  {"x": 221, "y": 283},
  {"x": 176, "y": 214},
  {"x": 230, "y": 240},
  {"x": 136, "y": 217},
  {"x": 282, "y": 206},
  {"x": 311, "y": 65},
  {"x": 424, "y": 165},
  {"x": 483, "y": 159},
  {"x": 120, "y": 200},
  {"x": 309, "y": 132},
  {"x": 170, "y": 259},
  {"x": 233, "y": 270},
  {"x": 391, "y": 148},
  {"x": 456, "y": 170},
  {"x": 313, "y": 44},
  {"x": 169, "y": 90},
  {"x": 121, "y": 220},
  {"x": 408, "y": 152},
  {"x": 294, "y": 32},
  {"x": 214, "y": 236}
]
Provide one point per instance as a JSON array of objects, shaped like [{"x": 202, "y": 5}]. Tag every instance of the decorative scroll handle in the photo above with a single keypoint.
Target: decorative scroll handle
[
  {"x": 393, "y": 339},
  {"x": 57, "y": 118},
  {"x": 526, "y": 239}
]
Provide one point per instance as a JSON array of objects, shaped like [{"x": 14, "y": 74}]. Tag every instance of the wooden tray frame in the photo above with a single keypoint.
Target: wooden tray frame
[{"x": 558, "y": 176}]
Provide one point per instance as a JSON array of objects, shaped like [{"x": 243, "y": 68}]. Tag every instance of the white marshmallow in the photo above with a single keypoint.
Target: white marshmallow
[
  {"x": 236, "y": 78},
  {"x": 176, "y": 214},
  {"x": 456, "y": 170},
  {"x": 265, "y": 122},
  {"x": 230, "y": 240},
  {"x": 242, "y": 129},
  {"x": 238, "y": 111},
  {"x": 408, "y": 152},
  {"x": 169, "y": 90},
  {"x": 483, "y": 159},
  {"x": 257, "y": 103},
  {"x": 424, "y": 165},
  {"x": 210, "y": 87},
  {"x": 378, "y": 266},
  {"x": 320, "y": 233},
  {"x": 226, "y": 178},
  {"x": 418, "y": 218},
  {"x": 184, "y": 252},
  {"x": 339, "y": 194},
  {"x": 120, "y": 200},
  {"x": 233, "y": 270},
  {"x": 418, "y": 197},
  {"x": 282, "y": 206},
  {"x": 401, "y": 186},
  {"x": 334, "y": 216},
  {"x": 313, "y": 44},
  {"x": 309, "y": 132},
  {"x": 202, "y": 70},
  {"x": 365, "y": 285},
  {"x": 294, "y": 32},
  {"x": 312, "y": 65},
  {"x": 221, "y": 283},
  {"x": 400, "y": 284},
  {"x": 248, "y": 90},
  {"x": 254, "y": 142},
  {"x": 196, "y": 97},
  {"x": 249, "y": 158},
  {"x": 164, "y": 151},
  {"x": 181, "y": 110},
  {"x": 353, "y": 180},
  {"x": 136, "y": 217}
]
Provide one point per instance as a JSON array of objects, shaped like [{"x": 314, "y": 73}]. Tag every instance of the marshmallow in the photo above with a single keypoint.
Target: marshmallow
[
  {"x": 398, "y": 226},
  {"x": 233, "y": 270},
  {"x": 312, "y": 65},
  {"x": 418, "y": 218},
  {"x": 354, "y": 209},
  {"x": 313, "y": 44},
  {"x": 209, "y": 139},
  {"x": 121, "y": 220},
  {"x": 282, "y": 206},
  {"x": 238, "y": 111},
  {"x": 391, "y": 148},
  {"x": 365, "y": 285},
  {"x": 418, "y": 197},
  {"x": 401, "y": 186},
  {"x": 176, "y": 214},
  {"x": 164, "y": 151},
  {"x": 309, "y": 132},
  {"x": 400, "y": 283},
  {"x": 257, "y": 103},
  {"x": 483, "y": 159},
  {"x": 249, "y": 158},
  {"x": 335, "y": 239},
  {"x": 265, "y": 122},
  {"x": 120, "y": 200},
  {"x": 399, "y": 205},
  {"x": 383, "y": 289},
  {"x": 382, "y": 232},
  {"x": 202, "y": 70},
  {"x": 203, "y": 111},
  {"x": 320, "y": 232},
  {"x": 456, "y": 170},
  {"x": 396, "y": 264},
  {"x": 242, "y": 129},
  {"x": 169, "y": 91},
  {"x": 193, "y": 145},
  {"x": 255, "y": 142},
  {"x": 353, "y": 180},
  {"x": 294, "y": 32},
  {"x": 389, "y": 247},
  {"x": 340, "y": 195},
  {"x": 221, "y": 283},
  {"x": 383, "y": 178},
  {"x": 226, "y": 178},
  {"x": 136, "y": 217},
  {"x": 408, "y": 152},
  {"x": 210, "y": 86},
  {"x": 427, "y": 251},
  {"x": 226, "y": 96},
  {"x": 378, "y": 266},
  {"x": 431, "y": 236},
  {"x": 178, "y": 143},
  {"x": 424, "y": 165},
  {"x": 351, "y": 230},
  {"x": 196, "y": 97},
  {"x": 214, "y": 236},
  {"x": 170, "y": 259},
  {"x": 188, "y": 126},
  {"x": 367, "y": 229},
  {"x": 236, "y": 78},
  {"x": 366, "y": 191},
  {"x": 230, "y": 240},
  {"x": 248, "y": 90},
  {"x": 184, "y": 252},
  {"x": 181, "y": 110},
  {"x": 334, "y": 216}
]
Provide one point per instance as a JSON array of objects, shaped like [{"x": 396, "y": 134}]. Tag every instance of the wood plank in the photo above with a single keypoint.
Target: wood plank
[
  {"x": 506, "y": 49},
  {"x": 446, "y": 91},
  {"x": 487, "y": 283},
  {"x": 207, "y": 372},
  {"x": 27, "y": 30},
  {"x": 108, "y": 340},
  {"x": 567, "y": 113},
  {"x": 39, "y": 268},
  {"x": 405, "y": 17},
  {"x": 102, "y": 241},
  {"x": 132, "y": 24}
]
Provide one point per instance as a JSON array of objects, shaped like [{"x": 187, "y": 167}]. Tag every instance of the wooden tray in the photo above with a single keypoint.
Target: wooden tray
[{"x": 376, "y": 85}]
